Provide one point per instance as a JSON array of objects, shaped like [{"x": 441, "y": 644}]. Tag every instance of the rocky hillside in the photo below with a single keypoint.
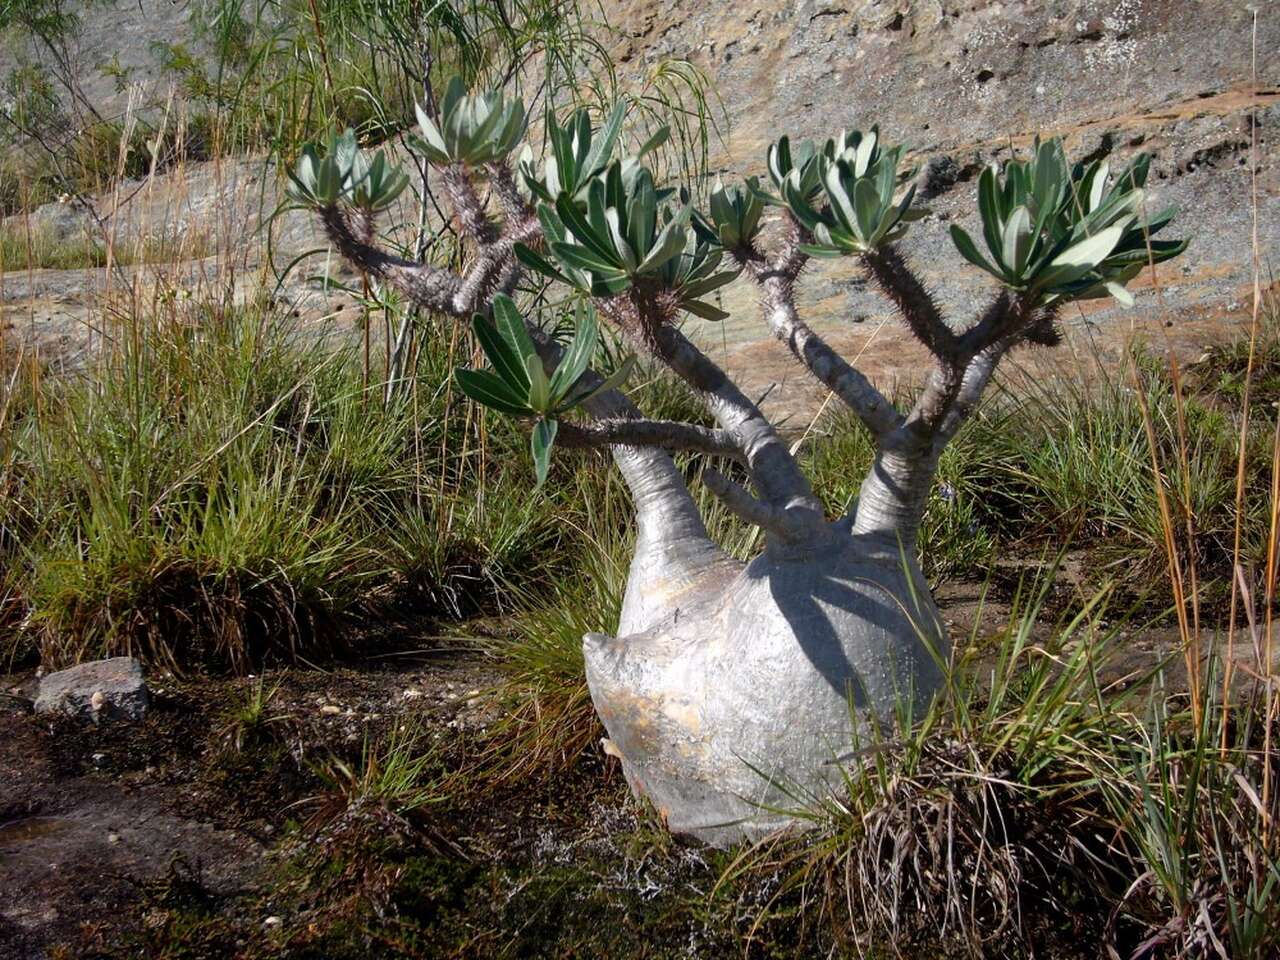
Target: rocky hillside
[
  {"x": 962, "y": 82},
  {"x": 965, "y": 82}
]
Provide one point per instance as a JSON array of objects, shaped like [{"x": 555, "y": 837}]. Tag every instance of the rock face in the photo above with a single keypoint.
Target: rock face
[
  {"x": 963, "y": 84},
  {"x": 97, "y": 690}
]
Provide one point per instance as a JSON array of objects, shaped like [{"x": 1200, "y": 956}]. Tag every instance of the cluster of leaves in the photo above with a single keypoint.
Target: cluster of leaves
[
  {"x": 858, "y": 179},
  {"x": 735, "y": 215},
  {"x": 342, "y": 173},
  {"x": 518, "y": 383},
  {"x": 579, "y": 156},
  {"x": 1061, "y": 232},
  {"x": 624, "y": 235},
  {"x": 473, "y": 130}
]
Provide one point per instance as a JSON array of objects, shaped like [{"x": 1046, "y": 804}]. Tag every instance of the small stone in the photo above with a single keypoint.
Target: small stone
[
  {"x": 96, "y": 690},
  {"x": 330, "y": 710},
  {"x": 272, "y": 922},
  {"x": 113, "y": 838}
]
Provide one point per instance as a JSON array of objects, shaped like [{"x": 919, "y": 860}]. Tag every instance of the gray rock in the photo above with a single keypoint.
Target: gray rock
[
  {"x": 61, "y": 222},
  {"x": 95, "y": 690}
]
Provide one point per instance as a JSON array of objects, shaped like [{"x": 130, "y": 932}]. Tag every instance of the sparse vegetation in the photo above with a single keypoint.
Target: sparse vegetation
[{"x": 216, "y": 488}]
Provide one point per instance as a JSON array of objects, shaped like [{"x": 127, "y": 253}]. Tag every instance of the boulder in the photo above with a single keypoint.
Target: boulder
[{"x": 96, "y": 690}]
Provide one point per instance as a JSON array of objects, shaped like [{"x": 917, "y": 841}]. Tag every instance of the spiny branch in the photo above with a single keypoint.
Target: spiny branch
[
  {"x": 916, "y": 305},
  {"x": 960, "y": 378},
  {"x": 494, "y": 269},
  {"x": 667, "y": 434},
  {"x": 467, "y": 205},
  {"x": 514, "y": 205},
  {"x": 433, "y": 288}
]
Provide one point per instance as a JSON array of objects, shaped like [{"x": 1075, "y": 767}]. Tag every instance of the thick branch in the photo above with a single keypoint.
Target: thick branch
[
  {"x": 667, "y": 434},
  {"x": 776, "y": 276},
  {"x": 672, "y": 540},
  {"x": 433, "y": 288},
  {"x": 514, "y": 206},
  {"x": 900, "y": 284},
  {"x": 779, "y": 523},
  {"x": 876, "y": 412},
  {"x": 895, "y": 490},
  {"x": 774, "y": 470},
  {"x": 1004, "y": 323},
  {"x": 494, "y": 269},
  {"x": 467, "y": 205}
]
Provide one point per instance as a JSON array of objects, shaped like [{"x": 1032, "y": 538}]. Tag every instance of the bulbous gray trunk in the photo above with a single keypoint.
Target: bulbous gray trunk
[{"x": 732, "y": 689}]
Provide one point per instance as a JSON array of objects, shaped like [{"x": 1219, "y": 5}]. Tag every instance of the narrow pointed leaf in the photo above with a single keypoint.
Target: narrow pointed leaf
[
  {"x": 490, "y": 390},
  {"x": 540, "y": 442},
  {"x": 539, "y": 386},
  {"x": 511, "y": 326},
  {"x": 969, "y": 250},
  {"x": 506, "y": 362}
]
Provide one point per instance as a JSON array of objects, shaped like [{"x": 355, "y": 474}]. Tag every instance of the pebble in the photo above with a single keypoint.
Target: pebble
[
  {"x": 113, "y": 838},
  {"x": 272, "y": 922},
  {"x": 330, "y": 710}
]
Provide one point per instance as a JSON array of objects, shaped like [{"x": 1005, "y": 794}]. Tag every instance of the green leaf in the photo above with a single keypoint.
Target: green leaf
[
  {"x": 577, "y": 358},
  {"x": 1076, "y": 261},
  {"x": 700, "y": 288},
  {"x": 582, "y": 258},
  {"x": 538, "y": 263},
  {"x": 625, "y": 250},
  {"x": 969, "y": 250},
  {"x": 611, "y": 382},
  {"x": 642, "y": 215},
  {"x": 821, "y": 250},
  {"x": 1017, "y": 240},
  {"x": 602, "y": 149},
  {"x": 1119, "y": 292},
  {"x": 1091, "y": 251},
  {"x": 1098, "y": 187},
  {"x": 581, "y": 228},
  {"x": 989, "y": 209},
  {"x": 706, "y": 311},
  {"x": 506, "y": 363},
  {"x": 660, "y": 136},
  {"x": 609, "y": 283},
  {"x": 511, "y": 326},
  {"x": 669, "y": 243},
  {"x": 866, "y": 200},
  {"x": 539, "y": 387},
  {"x": 540, "y": 441},
  {"x": 490, "y": 390},
  {"x": 841, "y": 203}
]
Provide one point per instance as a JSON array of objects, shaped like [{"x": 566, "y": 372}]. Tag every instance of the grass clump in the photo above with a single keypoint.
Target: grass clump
[
  {"x": 217, "y": 492},
  {"x": 1052, "y": 802},
  {"x": 35, "y": 247},
  {"x": 1061, "y": 461}
]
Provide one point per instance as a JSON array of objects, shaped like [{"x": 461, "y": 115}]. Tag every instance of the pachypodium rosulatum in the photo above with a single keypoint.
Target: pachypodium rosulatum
[{"x": 731, "y": 686}]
